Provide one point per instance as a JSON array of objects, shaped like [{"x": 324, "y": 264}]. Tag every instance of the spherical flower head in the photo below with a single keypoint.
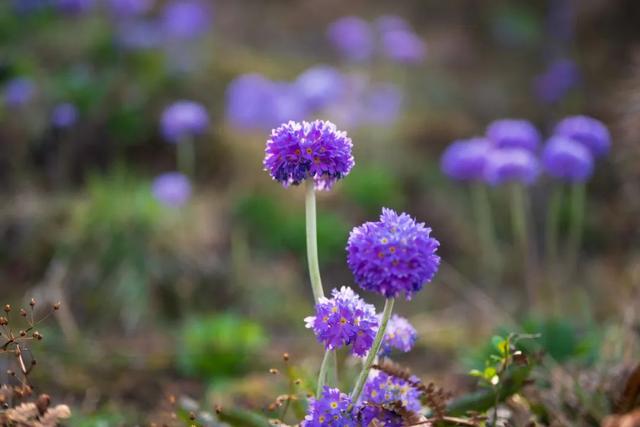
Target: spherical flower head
[
  {"x": 186, "y": 19},
  {"x": 344, "y": 319},
  {"x": 590, "y": 132},
  {"x": 248, "y": 102},
  {"x": 567, "y": 160},
  {"x": 64, "y": 115},
  {"x": 393, "y": 256},
  {"x": 514, "y": 133},
  {"x": 19, "y": 92},
  {"x": 384, "y": 389},
  {"x": 511, "y": 165},
  {"x": 320, "y": 85},
  {"x": 352, "y": 37},
  {"x": 308, "y": 150},
  {"x": 554, "y": 83},
  {"x": 172, "y": 189},
  {"x": 465, "y": 160},
  {"x": 400, "y": 335},
  {"x": 403, "y": 46},
  {"x": 330, "y": 410},
  {"x": 184, "y": 119}
]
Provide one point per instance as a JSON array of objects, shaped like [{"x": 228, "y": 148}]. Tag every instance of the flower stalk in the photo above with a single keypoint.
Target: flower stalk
[
  {"x": 375, "y": 348},
  {"x": 312, "y": 241}
]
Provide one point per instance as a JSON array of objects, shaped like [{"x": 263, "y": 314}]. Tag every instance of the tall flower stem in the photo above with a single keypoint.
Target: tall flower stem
[
  {"x": 312, "y": 241},
  {"x": 519, "y": 220},
  {"x": 553, "y": 220},
  {"x": 186, "y": 156},
  {"x": 322, "y": 376},
  {"x": 373, "y": 352},
  {"x": 577, "y": 197},
  {"x": 486, "y": 229}
]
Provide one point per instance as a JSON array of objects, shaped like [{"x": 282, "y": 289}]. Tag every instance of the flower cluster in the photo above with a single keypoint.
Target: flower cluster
[
  {"x": 183, "y": 119},
  {"x": 509, "y": 152},
  {"x": 329, "y": 410},
  {"x": 356, "y": 39},
  {"x": 384, "y": 389},
  {"x": 344, "y": 319},
  {"x": 393, "y": 256},
  {"x": 400, "y": 335},
  {"x": 308, "y": 150}
]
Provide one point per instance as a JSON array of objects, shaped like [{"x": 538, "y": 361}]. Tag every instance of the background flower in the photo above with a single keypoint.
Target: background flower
[
  {"x": 183, "y": 119},
  {"x": 514, "y": 133},
  {"x": 172, "y": 189},
  {"x": 588, "y": 131}
]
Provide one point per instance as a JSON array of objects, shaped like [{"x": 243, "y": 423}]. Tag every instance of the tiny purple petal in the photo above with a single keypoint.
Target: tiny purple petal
[{"x": 393, "y": 256}]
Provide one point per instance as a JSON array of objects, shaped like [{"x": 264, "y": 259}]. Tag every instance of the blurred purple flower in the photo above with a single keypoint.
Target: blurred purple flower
[
  {"x": 352, "y": 37},
  {"x": 403, "y": 46},
  {"x": 511, "y": 165},
  {"x": 558, "y": 79},
  {"x": 73, "y": 7},
  {"x": 183, "y": 119},
  {"x": 186, "y": 19},
  {"x": 19, "y": 91},
  {"x": 566, "y": 159},
  {"x": 400, "y": 335},
  {"x": 287, "y": 103},
  {"x": 172, "y": 189},
  {"x": 130, "y": 8},
  {"x": 465, "y": 160},
  {"x": 382, "y": 104},
  {"x": 514, "y": 133},
  {"x": 64, "y": 115},
  {"x": 248, "y": 102},
  {"x": 387, "y": 23},
  {"x": 590, "y": 132},
  {"x": 320, "y": 85},
  {"x": 139, "y": 35}
]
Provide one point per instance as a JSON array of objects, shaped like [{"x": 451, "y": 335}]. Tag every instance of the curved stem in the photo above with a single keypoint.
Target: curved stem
[
  {"x": 322, "y": 376},
  {"x": 312, "y": 242},
  {"x": 375, "y": 348}
]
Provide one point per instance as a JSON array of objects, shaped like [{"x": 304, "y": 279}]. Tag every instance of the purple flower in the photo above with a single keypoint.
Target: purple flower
[
  {"x": 559, "y": 78},
  {"x": 139, "y": 34},
  {"x": 248, "y": 102},
  {"x": 352, "y": 37},
  {"x": 73, "y": 7},
  {"x": 403, "y": 46},
  {"x": 344, "y": 319},
  {"x": 19, "y": 92},
  {"x": 382, "y": 104},
  {"x": 588, "y": 131},
  {"x": 514, "y": 133},
  {"x": 183, "y": 119},
  {"x": 286, "y": 103},
  {"x": 384, "y": 417},
  {"x": 130, "y": 8},
  {"x": 400, "y": 334},
  {"x": 186, "y": 19},
  {"x": 465, "y": 160},
  {"x": 320, "y": 85},
  {"x": 64, "y": 115},
  {"x": 316, "y": 150},
  {"x": 511, "y": 165},
  {"x": 566, "y": 159},
  {"x": 384, "y": 389},
  {"x": 331, "y": 410},
  {"x": 393, "y": 256},
  {"x": 172, "y": 189}
]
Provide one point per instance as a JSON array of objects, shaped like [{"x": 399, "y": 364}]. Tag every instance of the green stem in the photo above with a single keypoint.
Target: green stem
[
  {"x": 553, "y": 219},
  {"x": 375, "y": 348},
  {"x": 577, "y": 196},
  {"x": 486, "y": 229},
  {"x": 186, "y": 156},
  {"x": 521, "y": 235},
  {"x": 312, "y": 243},
  {"x": 322, "y": 376}
]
